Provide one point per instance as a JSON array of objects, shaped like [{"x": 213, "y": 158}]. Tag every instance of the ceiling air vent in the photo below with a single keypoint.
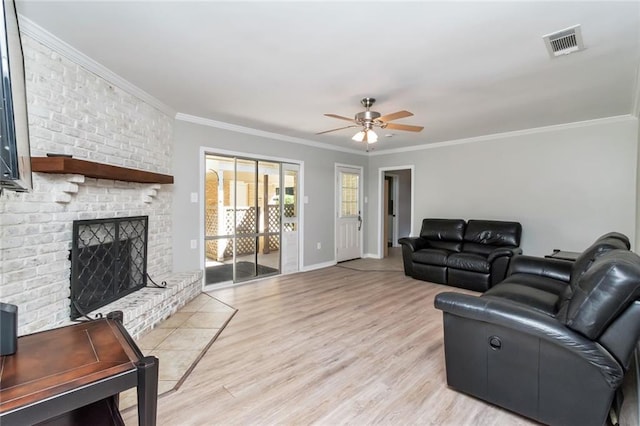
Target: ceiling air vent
[{"x": 564, "y": 42}]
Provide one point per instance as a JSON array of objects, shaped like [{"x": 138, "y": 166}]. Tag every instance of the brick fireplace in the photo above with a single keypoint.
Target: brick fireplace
[{"x": 75, "y": 112}]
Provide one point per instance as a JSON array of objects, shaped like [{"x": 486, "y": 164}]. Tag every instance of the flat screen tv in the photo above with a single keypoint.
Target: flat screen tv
[{"x": 15, "y": 159}]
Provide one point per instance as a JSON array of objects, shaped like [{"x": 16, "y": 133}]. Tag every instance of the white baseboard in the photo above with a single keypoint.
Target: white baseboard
[
  {"x": 371, "y": 256},
  {"x": 315, "y": 266}
]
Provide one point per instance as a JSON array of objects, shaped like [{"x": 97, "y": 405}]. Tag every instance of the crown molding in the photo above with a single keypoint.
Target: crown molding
[
  {"x": 261, "y": 133},
  {"x": 532, "y": 131},
  {"x": 36, "y": 32}
]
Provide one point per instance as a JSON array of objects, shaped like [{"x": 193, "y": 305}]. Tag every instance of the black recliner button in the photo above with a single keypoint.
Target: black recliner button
[{"x": 495, "y": 343}]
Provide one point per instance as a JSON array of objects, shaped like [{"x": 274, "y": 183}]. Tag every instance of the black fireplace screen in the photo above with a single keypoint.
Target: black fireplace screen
[{"x": 108, "y": 261}]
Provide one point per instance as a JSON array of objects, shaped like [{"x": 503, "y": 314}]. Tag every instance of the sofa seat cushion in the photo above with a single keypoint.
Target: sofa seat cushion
[
  {"x": 540, "y": 300},
  {"x": 469, "y": 262},
  {"x": 540, "y": 282},
  {"x": 431, "y": 256}
]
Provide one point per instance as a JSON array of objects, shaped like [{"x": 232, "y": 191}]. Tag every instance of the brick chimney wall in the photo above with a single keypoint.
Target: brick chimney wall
[{"x": 73, "y": 111}]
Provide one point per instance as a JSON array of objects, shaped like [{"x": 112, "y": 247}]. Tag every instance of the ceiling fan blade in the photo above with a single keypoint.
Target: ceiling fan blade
[
  {"x": 395, "y": 116},
  {"x": 405, "y": 127},
  {"x": 339, "y": 128},
  {"x": 339, "y": 117}
]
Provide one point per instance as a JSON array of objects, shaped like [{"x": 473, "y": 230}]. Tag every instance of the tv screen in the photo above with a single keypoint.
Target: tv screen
[{"x": 15, "y": 159}]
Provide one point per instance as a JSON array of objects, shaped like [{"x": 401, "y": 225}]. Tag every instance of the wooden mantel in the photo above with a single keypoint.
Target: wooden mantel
[{"x": 68, "y": 165}]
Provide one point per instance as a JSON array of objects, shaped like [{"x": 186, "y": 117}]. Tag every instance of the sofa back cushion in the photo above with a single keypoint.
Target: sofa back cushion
[
  {"x": 604, "y": 291},
  {"x": 602, "y": 245},
  {"x": 484, "y": 236},
  {"x": 443, "y": 233}
]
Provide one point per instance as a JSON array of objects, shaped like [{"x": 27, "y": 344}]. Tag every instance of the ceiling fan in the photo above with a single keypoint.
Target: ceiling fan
[{"x": 369, "y": 119}]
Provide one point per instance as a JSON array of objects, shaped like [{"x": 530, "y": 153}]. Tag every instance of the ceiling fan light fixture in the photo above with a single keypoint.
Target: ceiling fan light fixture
[
  {"x": 359, "y": 137},
  {"x": 371, "y": 137},
  {"x": 367, "y": 120},
  {"x": 366, "y": 135}
]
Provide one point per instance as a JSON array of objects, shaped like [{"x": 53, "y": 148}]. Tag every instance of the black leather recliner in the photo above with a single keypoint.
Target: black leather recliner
[
  {"x": 473, "y": 255},
  {"x": 554, "y": 340}
]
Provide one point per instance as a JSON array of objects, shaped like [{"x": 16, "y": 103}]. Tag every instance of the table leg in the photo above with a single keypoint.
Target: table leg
[{"x": 147, "y": 390}]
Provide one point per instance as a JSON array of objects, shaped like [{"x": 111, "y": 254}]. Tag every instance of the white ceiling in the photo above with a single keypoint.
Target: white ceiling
[{"x": 464, "y": 69}]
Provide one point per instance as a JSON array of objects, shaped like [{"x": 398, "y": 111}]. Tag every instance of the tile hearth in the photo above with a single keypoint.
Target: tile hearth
[{"x": 180, "y": 341}]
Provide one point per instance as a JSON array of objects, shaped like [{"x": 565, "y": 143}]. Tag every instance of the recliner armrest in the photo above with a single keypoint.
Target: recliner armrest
[
  {"x": 517, "y": 316},
  {"x": 551, "y": 268},
  {"x": 414, "y": 243},
  {"x": 503, "y": 252}
]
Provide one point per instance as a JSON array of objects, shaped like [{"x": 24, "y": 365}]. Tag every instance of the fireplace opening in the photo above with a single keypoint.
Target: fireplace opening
[{"x": 108, "y": 261}]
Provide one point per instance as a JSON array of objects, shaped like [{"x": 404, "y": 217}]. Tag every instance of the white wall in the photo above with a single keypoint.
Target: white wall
[
  {"x": 318, "y": 187},
  {"x": 566, "y": 185}
]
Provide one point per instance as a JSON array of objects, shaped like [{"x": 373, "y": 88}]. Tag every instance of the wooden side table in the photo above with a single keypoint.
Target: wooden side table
[{"x": 73, "y": 375}]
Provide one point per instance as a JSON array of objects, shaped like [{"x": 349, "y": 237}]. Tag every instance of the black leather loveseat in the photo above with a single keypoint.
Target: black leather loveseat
[
  {"x": 473, "y": 255},
  {"x": 554, "y": 339}
]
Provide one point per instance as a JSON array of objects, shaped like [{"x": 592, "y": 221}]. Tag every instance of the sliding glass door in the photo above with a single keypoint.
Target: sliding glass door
[{"x": 243, "y": 217}]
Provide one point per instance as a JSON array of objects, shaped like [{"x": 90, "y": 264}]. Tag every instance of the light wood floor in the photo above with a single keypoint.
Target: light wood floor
[{"x": 332, "y": 346}]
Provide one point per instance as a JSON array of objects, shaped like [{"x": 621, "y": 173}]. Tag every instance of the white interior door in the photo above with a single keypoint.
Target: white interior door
[{"x": 348, "y": 213}]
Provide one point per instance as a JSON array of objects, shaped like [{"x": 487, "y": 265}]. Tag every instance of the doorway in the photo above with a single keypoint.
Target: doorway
[
  {"x": 348, "y": 213},
  {"x": 390, "y": 218},
  {"x": 246, "y": 202},
  {"x": 396, "y": 201}
]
